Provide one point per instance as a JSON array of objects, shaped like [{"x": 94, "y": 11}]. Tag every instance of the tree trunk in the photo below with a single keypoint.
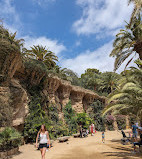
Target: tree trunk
[
  {"x": 138, "y": 49},
  {"x": 127, "y": 122}
]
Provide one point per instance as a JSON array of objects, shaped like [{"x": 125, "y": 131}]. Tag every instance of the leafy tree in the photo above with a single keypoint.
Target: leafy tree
[
  {"x": 95, "y": 114},
  {"x": 33, "y": 122},
  {"x": 91, "y": 79},
  {"x": 128, "y": 42},
  {"x": 84, "y": 120},
  {"x": 109, "y": 82},
  {"x": 70, "y": 118},
  {"x": 69, "y": 75},
  {"x": 121, "y": 121}
]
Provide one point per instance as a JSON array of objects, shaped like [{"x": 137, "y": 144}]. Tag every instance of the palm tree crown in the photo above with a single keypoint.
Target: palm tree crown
[
  {"x": 127, "y": 42},
  {"x": 42, "y": 54},
  {"x": 137, "y": 9}
]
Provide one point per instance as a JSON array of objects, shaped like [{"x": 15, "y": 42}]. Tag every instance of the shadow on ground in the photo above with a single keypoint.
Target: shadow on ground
[
  {"x": 18, "y": 153},
  {"x": 119, "y": 152},
  {"x": 122, "y": 151}
]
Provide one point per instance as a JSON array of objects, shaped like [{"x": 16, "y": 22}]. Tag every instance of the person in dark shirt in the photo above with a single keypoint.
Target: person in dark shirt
[
  {"x": 134, "y": 130},
  {"x": 123, "y": 134},
  {"x": 80, "y": 130},
  {"x": 138, "y": 143}
]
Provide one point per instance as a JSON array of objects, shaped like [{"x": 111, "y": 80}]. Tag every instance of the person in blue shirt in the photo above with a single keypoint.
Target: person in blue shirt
[
  {"x": 134, "y": 131},
  {"x": 103, "y": 137}
]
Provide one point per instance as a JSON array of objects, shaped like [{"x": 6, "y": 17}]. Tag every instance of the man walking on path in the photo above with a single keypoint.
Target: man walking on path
[{"x": 134, "y": 130}]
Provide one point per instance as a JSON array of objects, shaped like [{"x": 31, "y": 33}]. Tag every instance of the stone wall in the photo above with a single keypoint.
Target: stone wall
[
  {"x": 13, "y": 84},
  {"x": 57, "y": 91},
  {"x": 15, "y": 99},
  {"x": 61, "y": 91}
]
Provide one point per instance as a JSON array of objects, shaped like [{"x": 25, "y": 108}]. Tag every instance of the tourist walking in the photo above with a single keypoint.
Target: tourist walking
[
  {"x": 43, "y": 137},
  {"x": 92, "y": 129},
  {"x": 80, "y": 130},
  {"x": 103, "y": 137},
  {"x": 139, "y": 143},
  {"x": 134, "y": 130}
]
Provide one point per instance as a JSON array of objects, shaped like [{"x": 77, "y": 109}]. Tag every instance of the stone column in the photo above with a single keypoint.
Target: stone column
[
  {"x": 87, "y": 100},
  {"x": 64, "y": 94},
  {"x": 53, "y": 84},
  {"x": 76, "y": 98}
]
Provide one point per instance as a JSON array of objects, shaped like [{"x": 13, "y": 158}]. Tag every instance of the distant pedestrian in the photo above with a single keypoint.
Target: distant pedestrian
[
  {"x": 103, "y": 137},
  {"x": 80, "y": 130},
  {"x": 134, "y": 130},
  {"x": 139, "y": 143},
  {"x": 92, "y": 129}
]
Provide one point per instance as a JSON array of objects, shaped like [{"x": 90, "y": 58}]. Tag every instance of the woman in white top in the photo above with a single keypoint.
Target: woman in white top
[{"x": 44, "y": 140}]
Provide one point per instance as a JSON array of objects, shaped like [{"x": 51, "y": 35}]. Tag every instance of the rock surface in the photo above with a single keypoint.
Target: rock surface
[
  {"x": 19, "y": 102},
  {"x": 14, "y": 96}
]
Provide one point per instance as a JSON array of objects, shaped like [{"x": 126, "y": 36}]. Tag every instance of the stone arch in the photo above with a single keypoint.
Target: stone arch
[{"x": 63, "y": 92}]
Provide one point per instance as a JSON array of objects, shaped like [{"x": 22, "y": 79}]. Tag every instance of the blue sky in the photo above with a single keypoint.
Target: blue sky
[{"x": 79, "y": 32}]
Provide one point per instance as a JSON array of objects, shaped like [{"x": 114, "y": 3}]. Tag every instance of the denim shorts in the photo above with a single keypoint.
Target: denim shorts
[
  {"x": 135, "y": 134},
  {"x": 42, "y": 146}
]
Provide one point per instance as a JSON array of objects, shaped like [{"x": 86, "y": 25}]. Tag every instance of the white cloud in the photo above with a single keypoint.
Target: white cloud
[
  {"x": 102, "y": 16},
  {"x": 9, "y": 15},
  {"x": 43, "y": 2},
  {"x": 11, "y": 21},
  {"x": 98, "y": 59},
  {"x": 52, "y": 45},
  {"x": 78, "y": 43}
]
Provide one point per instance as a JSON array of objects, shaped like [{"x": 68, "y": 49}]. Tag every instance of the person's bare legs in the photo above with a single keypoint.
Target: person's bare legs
[
  {"x": 103, "y": 140},
  {"x": 43, "y": 152}
]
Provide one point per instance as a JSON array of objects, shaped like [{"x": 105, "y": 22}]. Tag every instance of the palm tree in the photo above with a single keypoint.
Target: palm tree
[
  {"x": 137, "y": 9},
  {"x": 42, "y": 54},
  {"x": 69, "y": 75},
  {"x": 109, "y": 80},
  {"x": 127, "y": 99},
  {"x": 128, "y": 42},
  {"x": 5, "y": 35}
]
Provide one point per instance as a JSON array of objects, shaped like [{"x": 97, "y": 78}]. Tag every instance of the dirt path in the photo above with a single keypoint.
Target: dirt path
[{"x": 85, "y": 148}]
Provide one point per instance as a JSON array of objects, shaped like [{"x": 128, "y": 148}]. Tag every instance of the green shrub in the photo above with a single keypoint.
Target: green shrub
[
  {"x": 33, "y": 122},
  {"x": 5, "y": 112},
  {"x": 35, "y": 65},
  {"x": 109, "y": 120},
  {"x": 70, "y": 118},
  {"x": 38, "y": 116},
  {"x": 9, "y": 138},
  {"x": 84, "y": 120},
  {"x": 95, "y": 115},
  {"x": 121, "y": 121}
]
